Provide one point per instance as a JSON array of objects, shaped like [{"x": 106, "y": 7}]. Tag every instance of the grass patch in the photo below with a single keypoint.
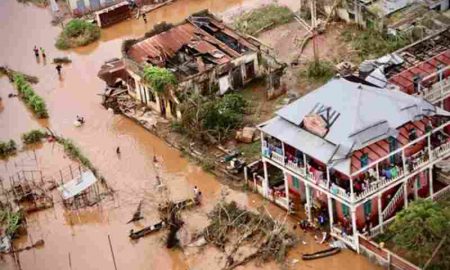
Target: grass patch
[
  {"x": 77, "y": 33},
  {"x": 75, "y": 153},
  {"x": 372, "y": 44},
  {"x": 33, "y": 101},
  {"x": 263, "y": 18},
  {"x": 250, "y": 151},
  {"x": 33, "y": 136},
  {"x": 11, "y": 221},
  {"x": 318, "y": 71},
  {"x": 7, "y": 148}
]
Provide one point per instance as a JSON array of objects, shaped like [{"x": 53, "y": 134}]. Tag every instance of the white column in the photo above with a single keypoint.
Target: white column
[
  {"x": 328, "y": 177},
  {"x": 416, "y": 192},
  {"x": 405, "y": 189},
  {"x": 404, "y": 161},
  {"x": 286, "y": 189},
  {"x": 330, "y": 211},
  {"x": 354, "y": 227},
  {"x": 352, "y": 195},
  {"x": 431, "y": 181},
  {"x": 308, "y": 202},
  {"x": 430, "y": 154},
  {"x": 380, "y": 213},
  {"x": 265, "y": 184}
]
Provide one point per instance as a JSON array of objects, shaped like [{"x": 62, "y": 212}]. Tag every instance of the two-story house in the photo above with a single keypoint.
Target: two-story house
[{"x": 354, "y": 152}]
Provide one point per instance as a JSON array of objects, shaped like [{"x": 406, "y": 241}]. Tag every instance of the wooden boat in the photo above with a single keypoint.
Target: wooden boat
[
  {"x": 147, "y": 230},
  {"x": 321, "y": 254}
]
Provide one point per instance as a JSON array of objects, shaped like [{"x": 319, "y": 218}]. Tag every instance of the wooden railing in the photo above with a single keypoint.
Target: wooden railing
[{"x": 393, "y": 203}]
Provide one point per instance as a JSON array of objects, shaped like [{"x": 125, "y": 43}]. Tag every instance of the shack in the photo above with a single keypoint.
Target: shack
[
  {"x": 113, "y": 14},
  {"x": 80, "y": 192}
]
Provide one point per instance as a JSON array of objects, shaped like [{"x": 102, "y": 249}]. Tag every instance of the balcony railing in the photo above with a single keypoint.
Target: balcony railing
[
  {"x": 408, "y": 169},
  {"x": 439, "y": 90}
]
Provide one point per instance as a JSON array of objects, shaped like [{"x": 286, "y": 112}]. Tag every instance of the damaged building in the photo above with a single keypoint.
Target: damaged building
[
  {"x": 205, "y": 55},
  {"x": 420, "y": 69},
  {"x": 392, "y": 15}
]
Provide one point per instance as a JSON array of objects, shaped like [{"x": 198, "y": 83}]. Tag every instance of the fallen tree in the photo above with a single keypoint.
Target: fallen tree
[{"x": 236, "y": 231}]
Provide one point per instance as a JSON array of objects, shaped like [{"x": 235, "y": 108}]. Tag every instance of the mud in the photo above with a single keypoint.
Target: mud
[{"x": 79, "y": 240}]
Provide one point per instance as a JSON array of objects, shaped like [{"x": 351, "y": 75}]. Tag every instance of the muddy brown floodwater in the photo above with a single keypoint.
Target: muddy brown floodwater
[{"x": 82, "y": 238}]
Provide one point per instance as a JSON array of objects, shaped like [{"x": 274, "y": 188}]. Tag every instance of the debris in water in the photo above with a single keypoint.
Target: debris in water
[
  {"x": 137, "y": 214},
  {"x": 231, "y": 229}
]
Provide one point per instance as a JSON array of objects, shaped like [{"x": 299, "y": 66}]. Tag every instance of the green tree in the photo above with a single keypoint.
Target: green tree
[
  {"x": 159, "y": 78},
  {"x": 419, "y": 229}
]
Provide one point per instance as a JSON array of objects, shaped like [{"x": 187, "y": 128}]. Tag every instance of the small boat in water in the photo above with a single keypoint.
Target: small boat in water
[
  {"x": 147, "y": 230},
  {"x": 321, "y": 254}
]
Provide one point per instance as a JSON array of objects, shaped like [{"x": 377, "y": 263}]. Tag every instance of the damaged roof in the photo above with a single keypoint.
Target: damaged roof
[
  {"x": 357, "y": 115},
  {"x": 200, "y": 40}
]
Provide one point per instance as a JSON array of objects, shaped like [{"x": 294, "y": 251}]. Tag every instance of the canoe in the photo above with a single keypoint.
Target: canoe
[
  {"x": 147, "y": 230},
  {"x": 321, "y": 254}
]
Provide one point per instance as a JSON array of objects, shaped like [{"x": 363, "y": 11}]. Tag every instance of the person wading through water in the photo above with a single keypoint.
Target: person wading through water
[
  {"x": 36, "y": 52},
  {"x": 43, "y": 52},
  {"x": 118, "y": 150},
  {"x": 144, "y": 17},
  {"x": 58, "y": 69}
]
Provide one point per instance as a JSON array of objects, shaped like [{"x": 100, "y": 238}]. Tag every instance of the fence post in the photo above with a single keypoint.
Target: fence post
[{"x": 389, "y": 259}]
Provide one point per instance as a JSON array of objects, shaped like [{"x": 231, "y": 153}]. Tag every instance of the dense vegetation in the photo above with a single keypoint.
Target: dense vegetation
[
  {"x": 419, "y": 229},
  {"x": 206, "y": 117},
  {"x": 372, "y": 44},
  {"x": 158, "y": 78},
  {"x": 77, "y": 33},
  {"x": 33, "y": 101},
  {"x": 33, "y": 136},
  {"x": 318, "y": 71},
  {"x": 7, "y": 148},
  {"x": 263, "y": 18}
]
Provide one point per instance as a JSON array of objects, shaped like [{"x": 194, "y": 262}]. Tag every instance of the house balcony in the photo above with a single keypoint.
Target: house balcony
[
  {"x": 380, "y": 174},
  {"x": 439, "y": 90},
  {"x": 430, "y": 154}
]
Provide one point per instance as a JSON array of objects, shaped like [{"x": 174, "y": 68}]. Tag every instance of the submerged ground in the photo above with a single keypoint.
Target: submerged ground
[{"x": 81, "y": 238}]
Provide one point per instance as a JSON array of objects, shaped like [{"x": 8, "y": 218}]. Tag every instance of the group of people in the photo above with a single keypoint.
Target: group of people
[{"x": 41, "y": 51}]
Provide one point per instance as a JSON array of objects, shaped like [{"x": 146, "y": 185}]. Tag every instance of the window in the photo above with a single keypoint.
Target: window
[
  {"x": 364, "y": 159},
  {"x": 368, "y": 208},
  {"x": 295, "y": 182},
  {"x": 345, "y": 210},
  {"x": 412, "y": 134},
  {"x": 392, "y": 147}
]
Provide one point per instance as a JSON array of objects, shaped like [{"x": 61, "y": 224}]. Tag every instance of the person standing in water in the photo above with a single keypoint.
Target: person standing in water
[
  {"x": 42, "y": 52},
  {"x": 58, "y": 69},
  {"x": 118, "y": 150},
  {"x": 36, "y": 51}
]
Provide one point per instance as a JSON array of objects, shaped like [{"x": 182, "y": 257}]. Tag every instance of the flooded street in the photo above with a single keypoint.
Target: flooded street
[{"x": 81, "y": 241}]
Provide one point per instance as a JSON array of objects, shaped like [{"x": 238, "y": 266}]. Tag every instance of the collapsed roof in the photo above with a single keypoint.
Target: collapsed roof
[
  {"x": 355, "y": 115},
  {"x": 196, "y": 45}
]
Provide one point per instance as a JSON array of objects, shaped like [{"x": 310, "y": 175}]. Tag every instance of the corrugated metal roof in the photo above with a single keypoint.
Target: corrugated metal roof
[
  {"x": 77, "y": 185},
  {"x": 365, "y": 114},
  {"x": 307, "y": 142}
]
